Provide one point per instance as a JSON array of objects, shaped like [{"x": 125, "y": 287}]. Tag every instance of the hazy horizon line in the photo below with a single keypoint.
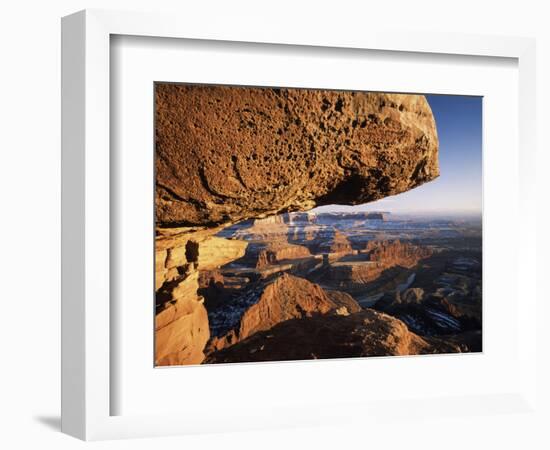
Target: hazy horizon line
[{"x": 349, "y": 209}]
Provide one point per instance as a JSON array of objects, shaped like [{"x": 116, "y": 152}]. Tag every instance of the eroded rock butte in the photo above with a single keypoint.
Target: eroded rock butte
[{"x": 287, "y": 297}]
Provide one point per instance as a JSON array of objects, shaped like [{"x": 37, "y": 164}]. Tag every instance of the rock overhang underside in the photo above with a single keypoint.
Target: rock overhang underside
[{"x": 226, "y": 154}]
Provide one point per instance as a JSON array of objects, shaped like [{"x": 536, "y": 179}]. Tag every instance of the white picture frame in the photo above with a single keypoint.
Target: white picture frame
[{"x": 86, "y": 245}]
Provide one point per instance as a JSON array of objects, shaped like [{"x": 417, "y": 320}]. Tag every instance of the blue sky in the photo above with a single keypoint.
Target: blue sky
[{"x": 458, "y": 188}]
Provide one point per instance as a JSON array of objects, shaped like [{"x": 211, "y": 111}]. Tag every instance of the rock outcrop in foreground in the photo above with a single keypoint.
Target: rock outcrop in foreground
[
  {"x": 366, "y": 333},
  {"x": 286, "y": 298},
  {"x": 176, "y": 253},
  {"x": 224, "y": 154},
  {"x": 181, "y": 320},
  {"x": 181, "y": 323}
]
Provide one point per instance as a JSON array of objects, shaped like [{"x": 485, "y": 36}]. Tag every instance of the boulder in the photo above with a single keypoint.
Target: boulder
[
  {"x": 225, "y": 154},
  {"x": 344, "y": 300}
]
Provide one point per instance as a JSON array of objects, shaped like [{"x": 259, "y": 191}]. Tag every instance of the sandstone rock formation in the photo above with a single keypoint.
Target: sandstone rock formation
[
  {"x": 366, "y": 333},
  {"x": 277, "y": 252},
  {"x": 288, "y": 297},
  {"x": 336, "y": 243},
  {"x": 177, "y": 251},
  {"x": 224, "y": 154},
  {"x": 355, "y": 271},
  {"x": 216, "y": 252},
  {"x": 217, "y": 288},
  {"x": 181, "y": 323},
  {"x": 351, "y": 274},
  {"x": 344, "y": 300},
  {"x": 390, "y": 253},
  {"x": 181, "y": 320},
  {"x": 286, "y": 227}
]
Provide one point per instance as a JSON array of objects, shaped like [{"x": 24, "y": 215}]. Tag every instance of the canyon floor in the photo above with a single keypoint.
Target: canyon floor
[{"x": 333, "y": 285}]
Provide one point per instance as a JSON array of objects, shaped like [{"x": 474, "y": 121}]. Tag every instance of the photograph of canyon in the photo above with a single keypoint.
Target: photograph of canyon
[{"x": 299, "y": 224}]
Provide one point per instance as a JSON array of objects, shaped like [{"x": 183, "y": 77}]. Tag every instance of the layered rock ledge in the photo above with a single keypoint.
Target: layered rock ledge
[{"x": 181, "y": 320}]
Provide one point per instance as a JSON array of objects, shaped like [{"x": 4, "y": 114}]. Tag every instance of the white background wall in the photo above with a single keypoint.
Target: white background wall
[{"x": 30, "y": 187}]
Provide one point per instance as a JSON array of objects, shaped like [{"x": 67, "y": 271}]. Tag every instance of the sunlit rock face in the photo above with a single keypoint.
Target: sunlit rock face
[
  {"x": 277, "y": 252},
  {"x": 225, "y": 154},
  {"x": 394, "y": 252},
  {"x": 178, "y": 251},
  {"x": 181, "y": 321},
  {"x": 287, "y": 297},
  {"x": 181, "y": 324},
  {"x": 355, "y": 271}
]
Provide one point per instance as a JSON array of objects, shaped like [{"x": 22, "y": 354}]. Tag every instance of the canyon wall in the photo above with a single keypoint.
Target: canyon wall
[
  {"x": 391, "y": 253},
  {"x": 371, "y": 262},
  {"x": 276, "y": 252},
  {"x": 181, "y": 320}
]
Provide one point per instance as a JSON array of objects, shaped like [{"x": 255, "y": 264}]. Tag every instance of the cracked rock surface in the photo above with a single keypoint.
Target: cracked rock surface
[{"x": 225, "y": 154}]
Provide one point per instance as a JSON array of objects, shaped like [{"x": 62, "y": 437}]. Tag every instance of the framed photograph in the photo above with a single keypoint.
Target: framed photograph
[
  {"x": 243, "y": 274},
  {"x": 251, "y": 217}
]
